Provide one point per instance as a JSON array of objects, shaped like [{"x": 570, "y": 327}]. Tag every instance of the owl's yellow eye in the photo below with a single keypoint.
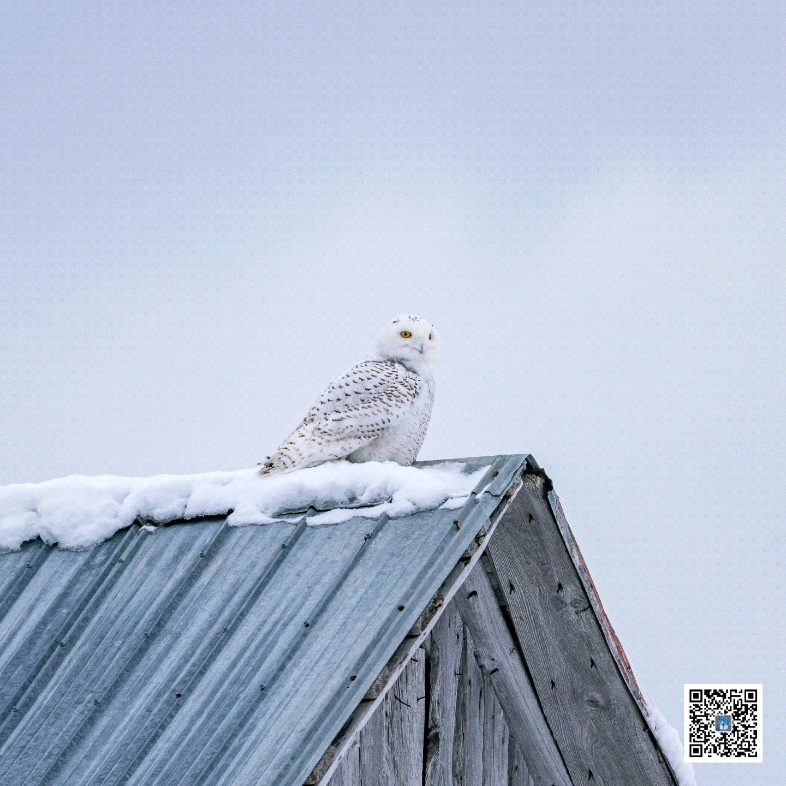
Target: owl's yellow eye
[{"x": 405, "y": 334}]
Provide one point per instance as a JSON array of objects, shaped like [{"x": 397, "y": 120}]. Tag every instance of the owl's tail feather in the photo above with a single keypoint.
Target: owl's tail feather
[
  {"x": 268, "y": 467},
  {"x": 279, "y": 463}
]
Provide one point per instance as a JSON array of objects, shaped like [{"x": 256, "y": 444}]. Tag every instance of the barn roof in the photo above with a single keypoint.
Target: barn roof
[
  {"x": 201, "y": 653},
  {"x": 210, "y": 654}
]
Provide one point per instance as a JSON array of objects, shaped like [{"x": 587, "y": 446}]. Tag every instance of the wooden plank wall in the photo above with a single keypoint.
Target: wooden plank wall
[{"x": 440, "y": 724}]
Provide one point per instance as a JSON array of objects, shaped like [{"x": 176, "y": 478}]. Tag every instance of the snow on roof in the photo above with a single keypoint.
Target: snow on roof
[{"x": 79, "y": 512}]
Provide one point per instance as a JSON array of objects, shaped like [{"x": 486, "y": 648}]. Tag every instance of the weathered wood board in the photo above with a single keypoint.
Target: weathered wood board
[
  {"x": 496, "y": 738},
  {"x": 468, "y": 740},
  {"x": 348, "y": 771},
  {"x": 589, "y": 587},
  {"x": 518, "y": 774},
  {"x": 445, "y": 648},
  {"x": 391, "y": 744}
]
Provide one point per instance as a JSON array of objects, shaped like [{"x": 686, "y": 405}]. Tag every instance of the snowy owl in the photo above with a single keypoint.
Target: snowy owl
[{"x": 377, "y": 411}]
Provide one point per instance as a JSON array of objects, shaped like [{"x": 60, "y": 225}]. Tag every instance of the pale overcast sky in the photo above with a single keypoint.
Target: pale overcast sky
[{"x": 207, "y": 212}]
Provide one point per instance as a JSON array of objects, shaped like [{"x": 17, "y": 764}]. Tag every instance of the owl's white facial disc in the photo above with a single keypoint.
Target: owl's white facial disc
[{"x": 410, "y": 340}]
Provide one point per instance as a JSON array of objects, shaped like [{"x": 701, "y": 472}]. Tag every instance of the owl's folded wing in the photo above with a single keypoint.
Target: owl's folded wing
[
  {"x": 355, "y": 409},
  {"x": 380, "y": 390}
]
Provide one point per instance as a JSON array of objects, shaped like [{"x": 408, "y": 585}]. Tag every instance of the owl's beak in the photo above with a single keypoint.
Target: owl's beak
[{"x": 421, "y": 347}]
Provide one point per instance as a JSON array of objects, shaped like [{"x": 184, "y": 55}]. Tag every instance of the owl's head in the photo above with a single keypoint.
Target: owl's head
[{"x": 410, "y": 340}]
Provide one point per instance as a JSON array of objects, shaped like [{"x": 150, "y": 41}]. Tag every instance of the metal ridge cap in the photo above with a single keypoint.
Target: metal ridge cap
[{"x": 480, "y": 460}]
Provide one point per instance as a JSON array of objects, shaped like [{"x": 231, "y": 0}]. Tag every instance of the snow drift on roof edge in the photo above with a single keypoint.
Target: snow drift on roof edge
[
  {"x": 79, "y": 512},
  {"x": 670, "y": 744}
]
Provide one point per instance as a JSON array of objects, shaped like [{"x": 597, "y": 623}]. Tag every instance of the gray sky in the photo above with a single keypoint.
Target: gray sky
[{"x": 206, "y": 213}]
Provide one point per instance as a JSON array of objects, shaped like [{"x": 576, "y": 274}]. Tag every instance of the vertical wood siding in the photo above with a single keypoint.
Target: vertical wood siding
[
  {"x": 348, "y": 771},
  {"x": 518, "y": 774},
  {"x": 391, "y": 744},
  {"x": 445, "y": 648},
  {"x": 495, "y": 738},
  {"x": 441, "y": 724},
  {"x": 468, "y": 740},
  {"x": 497, "y": 654}
]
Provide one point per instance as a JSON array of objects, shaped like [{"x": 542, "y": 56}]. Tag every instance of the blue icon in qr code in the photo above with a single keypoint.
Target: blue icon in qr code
[{"x": 723, "y": 723}]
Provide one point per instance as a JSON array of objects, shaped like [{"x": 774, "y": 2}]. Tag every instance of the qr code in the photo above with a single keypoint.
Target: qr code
[{"x": 723, "y": 723}]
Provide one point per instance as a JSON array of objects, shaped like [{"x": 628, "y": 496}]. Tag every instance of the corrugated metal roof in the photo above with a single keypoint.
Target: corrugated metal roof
[{"x": 206, "y": 654}]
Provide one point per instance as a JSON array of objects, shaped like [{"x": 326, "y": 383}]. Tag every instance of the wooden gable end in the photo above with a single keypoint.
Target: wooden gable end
[{"x": 516, "y": 678}]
